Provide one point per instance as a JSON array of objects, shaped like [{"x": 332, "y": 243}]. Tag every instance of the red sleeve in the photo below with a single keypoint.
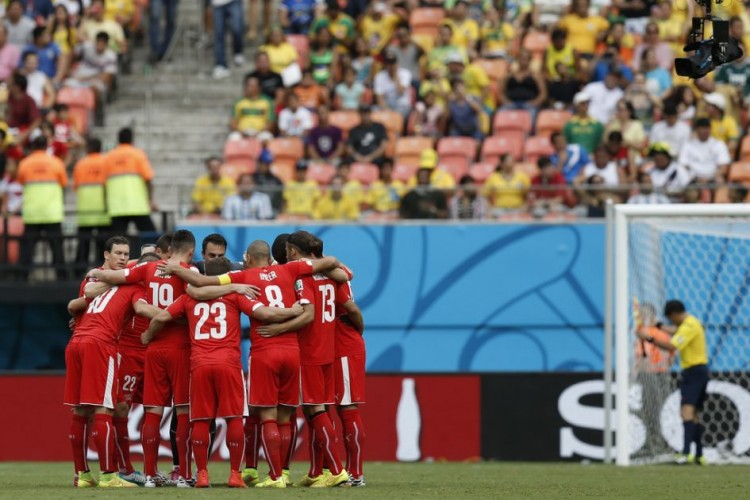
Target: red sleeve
[
  {"x": 137, "y": 273},
  {"x": 237, "y": 277},
  {"x": 139, "y": 293},
  {"x": 247, "y": 305},
  {"x": 301, "y": 267},
  {"x": 343, "y": 293},
  {"x": 304, "y": 290},
  {"x": 178, "y": 308}
]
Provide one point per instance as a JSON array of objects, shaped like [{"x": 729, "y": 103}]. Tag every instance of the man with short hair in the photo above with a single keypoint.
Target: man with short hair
[
  {"x": 325, "y": 142},
  {"x": 424, "y": 201},
  {"x": 271, "y": 83},
  {"x": 568, "y": 158},
  {"x": 98, "y": 66},
  {"x": 670, "y": 130},
  {"x": 367, "y": 141},
  {"x": 294, "y": 120},
  {"x": 706, "y": 158},
  {"x": 96, "y": 23},
  {"x": 300, "y": 193},
  {"x": 21, "y": 112},
  {"x": 247, "y": 204},
  {"x": 252, "y": 114},
  {"x": 18, "y": 26},
  {"x": 582, "y": 128},
  {"x": 604, "y": 96},
  {"x": 211, "y": 189},
  {"x": 392, "y": 85},
  {"x": 267, "y": 182},
  {"x": 49, "y": 54}
]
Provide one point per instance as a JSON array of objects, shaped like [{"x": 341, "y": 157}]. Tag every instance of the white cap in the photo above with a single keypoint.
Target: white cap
[
  {"x": 581, "y": 97},
  {"x": 380, "y": 7},
  {"x": 454, "y": 57},
  {"x": 264, "y": 136},
  {"x": 716, "y": 99}
]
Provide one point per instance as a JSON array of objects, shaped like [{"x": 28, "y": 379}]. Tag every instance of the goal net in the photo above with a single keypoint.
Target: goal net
[{"x": 699, "y": 254}]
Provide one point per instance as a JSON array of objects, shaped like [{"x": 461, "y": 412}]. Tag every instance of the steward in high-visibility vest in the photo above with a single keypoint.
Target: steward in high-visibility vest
[{"x": 91, "y": 208}]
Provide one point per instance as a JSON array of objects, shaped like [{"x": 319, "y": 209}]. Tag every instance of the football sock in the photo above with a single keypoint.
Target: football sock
[
  {"x": 325, "y": 438},
  {"x": 173, "y": 439},
  {"x": 272, "y": 446},
  {"x": 79, "y": 442},
  {"x": 183, "y": 444},
  {"x": 201, "y": 437},
  {"x": 354, "y": 441},
  {"x": 122, "y": 443},
  {"x": 235, "y": 442},
  {"x": 698, "y": 438},
  {"x": 285, "y": 436},
  {"x": 689, "y": 432},
  {"x": 316, "y": 458},
  {"x": 252, "y": 440},
  {"x": 104, "y": 438},
  {"x": 150, "y": 437},
  {"x": 212, "y": 433}
]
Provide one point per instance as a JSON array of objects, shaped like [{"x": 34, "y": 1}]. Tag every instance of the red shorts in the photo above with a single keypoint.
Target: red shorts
[
  {"x": 131, "y": 376},
  {"x": 317, "y": 384},
  {"x": 349, "y": 373},
  {"x": 217, "y": 391},
  {"x": 273, "y": 377},
  {"x": 166, "y": 377},
  {"x": 91, "y": 373}
]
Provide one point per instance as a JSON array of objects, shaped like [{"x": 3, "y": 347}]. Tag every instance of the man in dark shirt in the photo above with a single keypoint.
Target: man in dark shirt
[
  {"x": 266, "y": 182},
  {"x": 271, "y": 84},
  {"x": 22, "y": 113},
  {"x": 367, "y": 141},
  {"x": 424, "y": 201},
  {"x": 325, "y": 141}
]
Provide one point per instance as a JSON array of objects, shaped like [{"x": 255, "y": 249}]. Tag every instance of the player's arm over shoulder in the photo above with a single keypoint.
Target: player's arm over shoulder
[{"x": 355, "y": 314}]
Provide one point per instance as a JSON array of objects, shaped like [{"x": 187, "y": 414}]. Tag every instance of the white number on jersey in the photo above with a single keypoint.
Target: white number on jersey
[
  {"x": 327, "y": 298},
  {"x": 274, "y": 296},
  {"x": 162, "y": 294},
  {"x": 129, "y": 383},
  {"x": 100, "y": 302},
  {"x": 219, "y": 311}
]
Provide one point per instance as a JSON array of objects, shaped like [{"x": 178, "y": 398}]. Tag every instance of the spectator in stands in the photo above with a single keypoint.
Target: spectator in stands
[
  {"x": 618, "y": 152},
  {"x": 634, "y": 137},
  {"x": 647, "y": 194},
  {"x": 377, "y": 26},
  {"x": 665, "y": 174},
  {"x": 93, "y": 221},
  {"x": 683, "y": 97},
  {"x": 467, "y": 203},
  {"x": 672, "y": 28},
  {"x": 464, "y": 111},
  {"x": 561, "y": 69},
  {"x": 645, "y": 103},
  {"x": 584, "y": 31},
  {"x": 670, "y": 130},
  {"x": 225, "y": 12},
  {"x": 294, "y": 120},
  {"x": 623, "y": 42},
  {"x": 465, "y": 30},
  {"x": 734, "y": 76},
  {"x": 212, "y": 188},
  {"x": 408, "y": 54},
  {"x": 736, "y": 30},
  {"x": 612, "y": 61},
  {"x": 603, "y": 96},
  {"x": 281, "y": 54},
  {"x": 430, "y": 116},
  {"x": 98, "y": 67},
  {"x": 11, "y": 191},
  {"x": 547, "y": 13},
  {"x": 310, "y": 93},
  {"x": 362, "y": 62},
  {"x": 342, "y": 27},
  {"x": 336, "y": 204},
  {"x": 167, "y": 9},
  {"x": 496, "y": 34},
  {"x": 582, "y": 129},
  {"x": 651, "y": 41},
  {"x": 392, "y": 86},
  {"x": 385, "y": 193},
  {"x": 301, "y": 194},
  {"x": 706, "y": 158},
  {"x": 48, "y": 54},
  {"x": 9, "y": 54},
  {"x": 594, "y": 194},
  {"x": 322, "y": 58},
  {"x": 658, "y": 79},
  {"x": 96, "y": 23},
  {"x": 437, "y": 83},
  {"x": 252, "y": 114},
  {"x": 67, "y": 133},
  {"x": 39, "y": 86},
  {"x": 296, "y": 16},
  {"x": 349, "y": 92},
  {"x": 738, "y": 193},
  {"x": 476, "y": 79},
  {"x": 19, "y": 27},
  {"x": 723, "y": 125},
  {"x": 367, "y": 141},
  {"x": 439, "y": 178},
  {"x": 635, "y": 12},
  {"x": 247, "y": 204},
  {"x": 548, "y": 189},
  {"x": 524, "y": 88},
  {"x": 476, "y": 9},
  {"x": 424, "y": 201},
  {"x": 63, "y": 33},
  {"x": 326, "y": 141},
  {"x": 444, "y": 49},
  {"x": 267, "y": 182},
  {"x": 122, "y": 12},
  {"x": 21, "y": 113},
  {"x": 506, "y": 188},
  {"x": 603, "y": 167},
  {"x": 271, "y": 84}
]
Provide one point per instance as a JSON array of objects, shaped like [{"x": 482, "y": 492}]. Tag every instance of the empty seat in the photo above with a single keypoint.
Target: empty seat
[
  {"x": 242, "y": 152},
  {"x": 321, "y": 173},
  {"x": 496, "y": 69},
  {"x": 81, "y": 102},
  {"x": 302, "y": 44},
  {"x": 456, "y": 154},
  {"x": 403, "y": 173},
  {"x": 537, "y": 146},
  {"x": 408, "y": 149},
  {"x": 426, "y": 20},
  {"x": 286, "y": 152},
  {"x": 480, "y": 171},
  {"x": 551, "y": 120},
  {"x": 365, "y": 173},
  {"x": 536, "y": 42},
  {"x": 497, "y": 145},
  {"x": 345, "y": 120},
  {"x": 512, "y": 119},
  {"x": 391, "y": 120},
  {"x": 234, "y": 170}
]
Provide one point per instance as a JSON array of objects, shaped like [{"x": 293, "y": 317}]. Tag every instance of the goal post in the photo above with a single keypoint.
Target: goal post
[{"x": 700, "y": 254}]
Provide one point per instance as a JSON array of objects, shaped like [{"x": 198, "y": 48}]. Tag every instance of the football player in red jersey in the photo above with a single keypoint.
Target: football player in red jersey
[
  {"x": 167, "y": 366},
  {"x": 91, "y": 371},
  {"x": 217, "y": 387}
]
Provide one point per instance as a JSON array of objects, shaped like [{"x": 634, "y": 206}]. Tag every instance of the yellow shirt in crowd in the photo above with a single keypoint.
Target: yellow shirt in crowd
[
  {"x": 300, "y": 197},
  {"x": 507, "y": 193},
  {"x": 583, "y": 31},
  {"x": 209, "y": 195}
]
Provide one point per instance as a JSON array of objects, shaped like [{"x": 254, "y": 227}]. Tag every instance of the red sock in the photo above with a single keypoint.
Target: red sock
[
  {"x": 316, "y": 458},
  {"x": 201, "y": 437},
  {"x": 235, "y": 442},
  {"x": 271, "y": 441},
  {"x": 354, "y": 440},
  {"x": 252, "y": 441},
  {"x": 285, "y": 435},
  {"x": 79, "y": 442},
  {"x": 183, "y": 445},
  {"x": 104, "y": 437},
  {"x": 122, "y": 444},
  {"x": 150, "y": 436},
  {"x": 325, "y": 438}
]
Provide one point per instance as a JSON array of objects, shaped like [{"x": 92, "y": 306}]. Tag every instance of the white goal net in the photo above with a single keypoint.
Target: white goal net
[{"x": 701, "y": 256}]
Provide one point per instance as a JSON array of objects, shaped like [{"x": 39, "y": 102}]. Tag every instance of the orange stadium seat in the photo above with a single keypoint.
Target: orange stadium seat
[
  {"x": 234, "y": 170},
  {"x": 408, "y": 149},
  {"x": 745, "y": 148},
  {"x": 536, "y": 146},
  {"x": 390, "y": 145},
  {"x": 302, "y": 44},
  {"x": 512, "y": 119},
  {"x": 320, "y": 172},
  {"x": 81, "y": 102},
  {"x": 391, "y": 120},
  {"x": 480, "y": 171},
  {"x": 426, "y": 20},
  {"x": 496, "y": 69},
  {"x": 497, "y": 145},
  {"x": 739, "y": 171},
  {"x": 456, "y": 154},
  {"x": 528, "y": 168},
  {"x": 403, "y": 172},
  {"x": 15, "y": 229},
  {"x": 365, "y": 173},
  {"x": 286, "y": 151},
  {"x": 536, "y": 42},
  {"x": 242, "y": 152},
  {"x": 345, "y": 120},
  {"x": 551, "y": 120}
]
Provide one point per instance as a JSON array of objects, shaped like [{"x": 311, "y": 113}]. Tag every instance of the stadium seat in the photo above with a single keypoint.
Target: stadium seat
[
  {"x": 234, "y": 170},
  {"x": 81, "y": 102},
  {"x": 456, "y": 154},
  {"x": 242, "y": 152},
  {"x": 286, "y": 151},
  {"x": 403, "y": 172},
  {"x": 537, "y": 146},
  {"x": 302, "y": 44},
  {"x": 390, "y": 145},
  {"x": 425, "y": 21},
  {"x": 408, "y": 149},
  {"x": 480, "y": 171},
  {"x": 496, "y": 69},
  {"x": 551, "y": 120},
  {"x": 345, "y": 120},
  {"x": 536, "y": 42},
  {"x": 284, "y": 170},
  {"x": 391, "y": 120},
  {"x": 528, "y": 168},
  {"x": 745, "y": 148},
  {"x": 739, "y": 171},
  {"x": 320, "y": 172},
  {"x": 509, "y": 142},
  {"x": 15, "y": 229},
  {"x": 512, "y": 119},
  {"x": 365, "y": 173}
]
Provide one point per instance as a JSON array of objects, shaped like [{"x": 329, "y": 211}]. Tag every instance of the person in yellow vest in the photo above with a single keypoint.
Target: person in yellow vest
[
  {"x": 129, "y": 192},
  {"x": 91, "y": 209},
  {"x": 689, "y": 340},
  {"x": 335, "y": 204},
  {"x": 506, "y": 188},
  {"x": 43, "y": 179},
  {"x": 439, "y": 178},
  {"x": 210, "y": 190},
  {"x": 301, "y": 194}
]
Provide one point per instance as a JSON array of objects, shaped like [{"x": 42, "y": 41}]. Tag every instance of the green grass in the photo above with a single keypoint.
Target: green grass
[{"x": 443, "y": 481}]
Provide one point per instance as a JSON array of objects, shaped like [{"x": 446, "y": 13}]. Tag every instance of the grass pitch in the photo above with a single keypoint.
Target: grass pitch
[{"x": 443, "y": 481}]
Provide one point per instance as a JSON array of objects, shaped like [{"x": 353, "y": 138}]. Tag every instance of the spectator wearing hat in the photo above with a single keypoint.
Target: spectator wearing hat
[
  {"x": 425, "y": 200},
  {"x": 475, "y": 77},
  {"x": 294, "y": 120},
  {"x": 439, "y": 178},
  {"x": 301, "y": 194},
  {"x": 465, "y": 30},
  {"x": 647, "y": 193},
  {"x": 548, "y": 189},
  {"x": 569, "y": 159},
  {"x": 584, "y": 31},
  {"x": 247, "y": 204},
  {"x": 665, "y": 174},
  {"x": 582, "y": 129},
  {"x": 252, "y": 114},
  {"x": 604, "y": 96},
  {"x": 266, "y": 182},
  {"x": 377, "y": 26},
  {"x": 325, "y": 141},
  {"x": 706, "y": 158},
  {"x": 723, "y": 125},
  {"x": 468, "y": 203},
  {"x": 342, "y": 27},
  {"x": 506, "y": 188},
  {"x": 464, "y": 111},
  {"x": 670, "y": 130},
  {"x": 367, "y": 141},
  {"x": 392, "y": 86},
  {"x": 336, "y": 204},
  {"x": 212, "y": 188}
]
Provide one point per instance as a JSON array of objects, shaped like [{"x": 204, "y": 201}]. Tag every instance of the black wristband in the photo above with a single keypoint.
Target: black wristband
[{"x": 659, "y": 325}]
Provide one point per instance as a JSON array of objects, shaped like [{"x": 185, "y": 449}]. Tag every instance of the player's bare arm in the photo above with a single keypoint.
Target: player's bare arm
[
  {"x": 193, "y": 278},
  {"x": 95, "y": 288},
  {"x": 337, "y": 274},
  {"x": 112, "y": 277},
  {"x": 292, "y": 325},
  {"x": 214, "y": 292},
  {"x": 142, "y": 308},
  {"x": 277, "y": 314},
  {"x": 77, "y": 306},
  {"x": 355, "y": 315},
  {"x": 325, "y": 264},
  {"x": 157, "y": 323}
]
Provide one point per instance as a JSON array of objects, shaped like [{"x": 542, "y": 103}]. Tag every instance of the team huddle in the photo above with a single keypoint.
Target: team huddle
[{"x": 157, "y": 332}]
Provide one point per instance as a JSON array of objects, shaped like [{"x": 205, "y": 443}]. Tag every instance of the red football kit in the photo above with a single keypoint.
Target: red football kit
[{"x": 349, "y": 368}]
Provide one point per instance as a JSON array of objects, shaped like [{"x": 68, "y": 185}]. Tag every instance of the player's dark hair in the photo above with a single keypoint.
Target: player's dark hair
[
  {"x": 182, "y": 241},
  {"x": 316, "y": 248},
  {"x": 214, "y": 238},
  {"x": 258, "y": 250},
  {"x": 217, "y": 266},
  {"x": 20, "y": 81},
  {"x": 148, "y": 257},
  {"x": 278, "y": 249},
  {"x": 102, "y": 36},
  {"x": 93, "y": 145},
  {"x": 303, "y": 240},
  {"x": 125, "y": 135},
  {"x": 115, "y": 240},
  {"x": 673, "y": 307},
  {"x": 164, "y": 242}
]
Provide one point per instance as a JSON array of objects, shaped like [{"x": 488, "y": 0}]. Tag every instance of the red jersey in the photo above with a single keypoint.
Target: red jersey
[
  {"x": 317, "y": 341},
  {"x": 130, "y": 333},
  {"x": 105, "y": 314},
  {"x": 349, "y": 341},
  {"x": 215, "y": 330},
  {"x": 280, "y": 286},
  {"x": 162, "y": 290}
]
